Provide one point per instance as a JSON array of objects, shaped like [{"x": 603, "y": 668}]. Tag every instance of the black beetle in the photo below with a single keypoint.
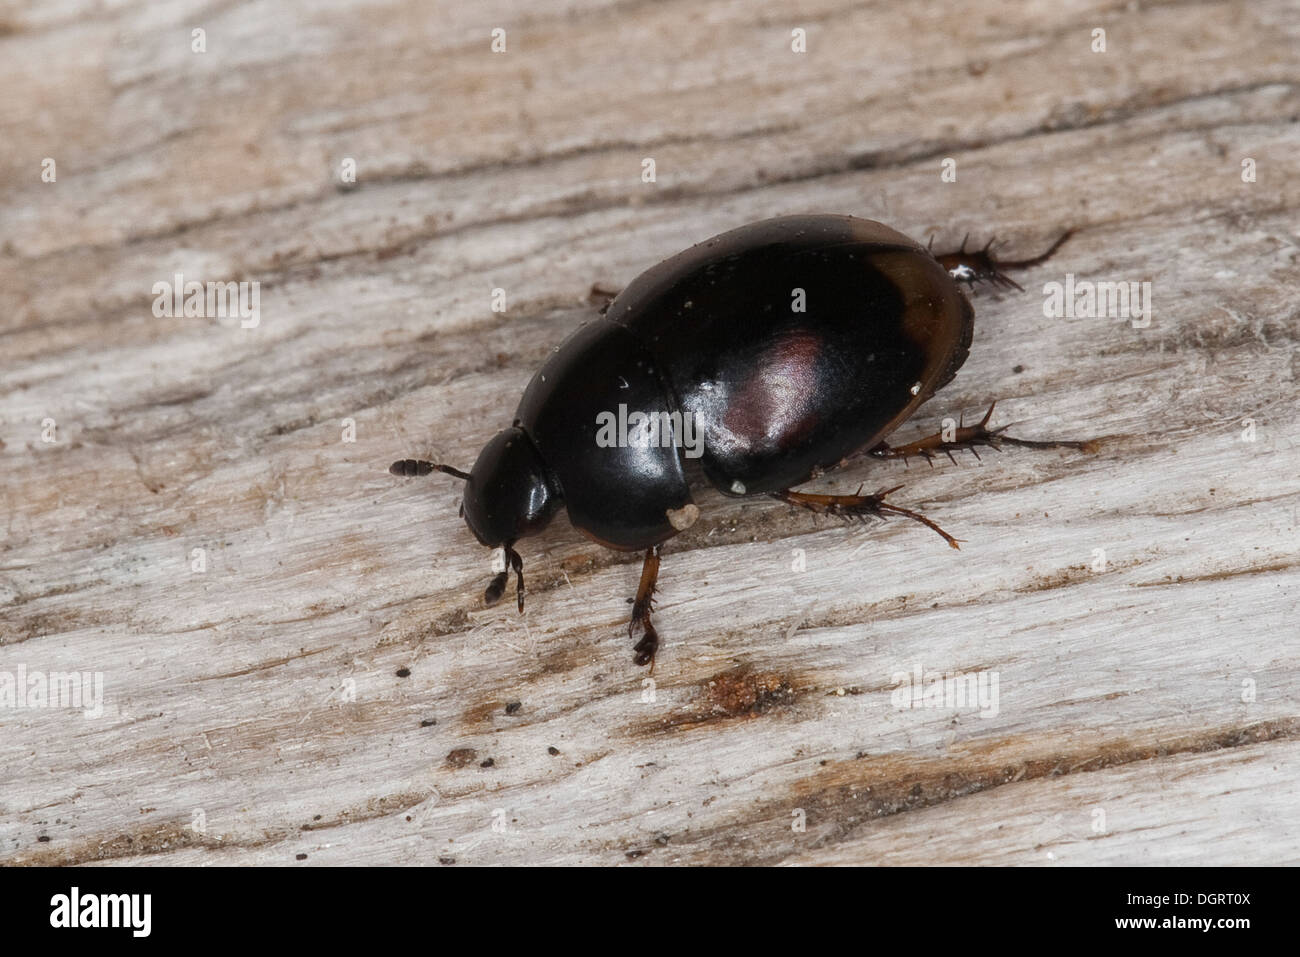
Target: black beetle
[{"x": 760, "y": 359}]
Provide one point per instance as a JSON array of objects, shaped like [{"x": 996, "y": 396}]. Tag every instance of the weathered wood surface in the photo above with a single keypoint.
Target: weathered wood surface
[{"x": 1126, "y": 731}]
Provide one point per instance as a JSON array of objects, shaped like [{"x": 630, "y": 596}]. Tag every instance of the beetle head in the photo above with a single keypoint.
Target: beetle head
[{"x": 509, "y": 494}]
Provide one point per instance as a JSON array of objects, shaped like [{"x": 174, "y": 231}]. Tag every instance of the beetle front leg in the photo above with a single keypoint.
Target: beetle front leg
[
  {"x": 971, "y": 437},
  {"x": 645, "y": 648}
]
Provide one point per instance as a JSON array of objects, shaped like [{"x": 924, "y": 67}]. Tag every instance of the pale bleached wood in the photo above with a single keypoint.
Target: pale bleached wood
[{"x": 1120, "y": 690}]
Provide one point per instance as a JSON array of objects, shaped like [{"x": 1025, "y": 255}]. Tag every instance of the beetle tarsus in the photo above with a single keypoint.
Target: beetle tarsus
[
  {"x": 860, "y": 507},
  {"x": 1041, "y": 257},
  {"x": 644, "y": 650},
  {"x": 517, "y": 564},
  {"x": 492, "y": 594},
  {"x": 972, "y": 437}
]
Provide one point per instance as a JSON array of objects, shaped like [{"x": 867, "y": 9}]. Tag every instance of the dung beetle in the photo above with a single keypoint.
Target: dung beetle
[{"x": 756, "y": 360}]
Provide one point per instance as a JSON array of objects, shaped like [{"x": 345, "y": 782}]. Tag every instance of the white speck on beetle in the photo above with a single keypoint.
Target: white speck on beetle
[
  {"x": 684, "y": 517},
  {"x": 738, "y": 487},
  {"x": 916, "y": 388}
]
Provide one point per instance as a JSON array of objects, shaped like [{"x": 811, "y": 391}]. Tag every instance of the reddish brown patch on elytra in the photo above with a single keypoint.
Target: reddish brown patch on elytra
[{"x": 778, "y": 402}]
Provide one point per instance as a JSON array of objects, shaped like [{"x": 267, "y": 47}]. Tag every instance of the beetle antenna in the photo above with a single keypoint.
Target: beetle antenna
[{"x": 411, "y": 467}]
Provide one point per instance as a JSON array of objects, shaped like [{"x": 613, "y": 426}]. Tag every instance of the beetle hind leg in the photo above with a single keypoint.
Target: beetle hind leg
[
  {"x": 644, "y": 650},
  {"x": 971, "y": 437},
  {"x": 974, "y": 266},
  {"x": 859, "y": 507}
]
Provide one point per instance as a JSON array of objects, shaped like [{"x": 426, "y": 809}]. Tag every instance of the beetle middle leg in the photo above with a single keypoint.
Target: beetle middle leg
[
  {"x": 645, "y": 648},
  {"x": 971, "y": 437},
  {"x": 859, "y": 506}
]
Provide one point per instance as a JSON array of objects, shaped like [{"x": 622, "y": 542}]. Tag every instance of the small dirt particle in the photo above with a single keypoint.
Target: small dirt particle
[{"x": 461, "y": 757}]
